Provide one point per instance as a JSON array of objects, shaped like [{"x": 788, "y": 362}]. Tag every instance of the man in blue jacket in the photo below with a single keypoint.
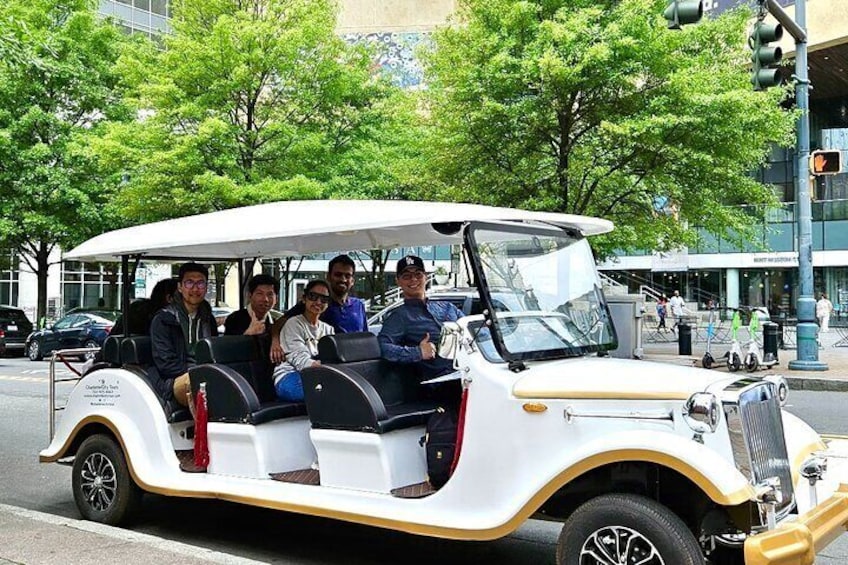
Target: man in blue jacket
[
  {"x": 409, "y": 334},
  {"x": 176, "y": 329}
]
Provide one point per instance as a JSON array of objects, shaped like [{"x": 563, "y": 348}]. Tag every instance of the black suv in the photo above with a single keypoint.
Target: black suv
[{"x": 16, "y": 327}]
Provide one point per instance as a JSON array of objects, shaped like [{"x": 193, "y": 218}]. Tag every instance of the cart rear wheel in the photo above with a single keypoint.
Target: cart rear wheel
[
  {"x": 103, "y": 488},
  {"x": 626, "y": 528}
]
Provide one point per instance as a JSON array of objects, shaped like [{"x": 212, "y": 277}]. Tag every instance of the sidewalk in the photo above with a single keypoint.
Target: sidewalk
[
  {"x": 36, "y": 538},
  {"x": 834, "y": 379}
]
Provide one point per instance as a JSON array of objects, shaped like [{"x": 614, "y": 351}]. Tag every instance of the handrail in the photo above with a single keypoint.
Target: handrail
[
  {"x": 52, "y": 380},
  {"x": 609, "y": 281},
  {"x": 393, "y": 295}
]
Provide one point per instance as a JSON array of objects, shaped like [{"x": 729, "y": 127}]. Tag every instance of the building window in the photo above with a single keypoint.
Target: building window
[{"x": 90, "y": 285}]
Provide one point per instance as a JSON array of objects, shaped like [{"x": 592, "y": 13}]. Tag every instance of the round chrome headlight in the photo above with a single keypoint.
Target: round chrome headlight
[
  {"x": 701, "y": 412},
  {"x": 781, "y": 387}
]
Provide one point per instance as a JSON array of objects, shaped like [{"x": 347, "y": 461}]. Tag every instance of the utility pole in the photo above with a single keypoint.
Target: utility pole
[{"x": 808, "y": 348}]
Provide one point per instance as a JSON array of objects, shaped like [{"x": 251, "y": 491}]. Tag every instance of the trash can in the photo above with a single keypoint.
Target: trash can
[
  {"x": 684, "y": 339},
  {"x": 771, "y": 332}
]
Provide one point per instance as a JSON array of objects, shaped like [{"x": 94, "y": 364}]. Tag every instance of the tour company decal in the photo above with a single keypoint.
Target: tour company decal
[{"x": 102, "y": 393}]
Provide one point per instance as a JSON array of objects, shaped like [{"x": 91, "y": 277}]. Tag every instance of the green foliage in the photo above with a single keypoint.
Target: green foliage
[
  {"x": 58, "y": 89},
  {"x": 595, "y": 108},
  {"x": 248, "y": 102}
]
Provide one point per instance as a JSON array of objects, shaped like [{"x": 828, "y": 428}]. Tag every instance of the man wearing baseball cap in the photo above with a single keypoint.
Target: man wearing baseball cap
[{"x": 406, "y": 336}]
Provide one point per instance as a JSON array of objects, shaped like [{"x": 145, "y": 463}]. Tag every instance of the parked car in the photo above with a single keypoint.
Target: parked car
[
  {"x": 14, "y": 327},
  {"x": 221, "y": 313},
  {"x": 466, "y": 299},
  {"x": 82, "y": 329}
]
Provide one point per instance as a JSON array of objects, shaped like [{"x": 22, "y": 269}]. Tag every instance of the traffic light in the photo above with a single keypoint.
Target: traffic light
[
  {"x": 764, "y": 55},
  {"x": 682, "y": 12},
  {"x": 826, "y": 162}
]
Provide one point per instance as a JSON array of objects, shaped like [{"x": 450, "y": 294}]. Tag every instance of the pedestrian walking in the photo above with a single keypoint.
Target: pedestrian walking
[{"x": 824, "y": 308}]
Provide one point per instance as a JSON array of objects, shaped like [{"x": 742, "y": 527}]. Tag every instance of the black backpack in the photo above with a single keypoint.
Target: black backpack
[{"x": 440, "y": 445}]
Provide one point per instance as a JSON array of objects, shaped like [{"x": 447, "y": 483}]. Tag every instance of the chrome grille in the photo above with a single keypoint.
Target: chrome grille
[{"x": 757, "y": 440}]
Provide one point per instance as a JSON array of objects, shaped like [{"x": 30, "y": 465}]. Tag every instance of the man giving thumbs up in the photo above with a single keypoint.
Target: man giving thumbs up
[{"x": 405, "y": 336}]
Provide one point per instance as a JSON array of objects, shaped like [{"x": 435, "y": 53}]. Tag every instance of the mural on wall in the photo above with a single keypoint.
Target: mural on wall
[{"x": 396, "y": 54}]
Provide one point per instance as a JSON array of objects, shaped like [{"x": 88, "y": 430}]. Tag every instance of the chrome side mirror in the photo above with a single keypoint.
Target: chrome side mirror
[{"x": 449, "y": 340}]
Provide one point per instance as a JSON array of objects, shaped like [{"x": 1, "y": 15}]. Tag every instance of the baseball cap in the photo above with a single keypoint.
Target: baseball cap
[{"x": 410, "y": 262}]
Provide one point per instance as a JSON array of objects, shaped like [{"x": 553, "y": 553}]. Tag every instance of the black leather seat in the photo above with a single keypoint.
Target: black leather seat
[
  {"x": 136, "y": 355},
  {"x": 355, "y": 389},
  {"x": 238, "y": 374}
]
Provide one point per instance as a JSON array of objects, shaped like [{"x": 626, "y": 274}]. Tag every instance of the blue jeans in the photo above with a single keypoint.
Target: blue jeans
[{"x": 290, "y": 387}]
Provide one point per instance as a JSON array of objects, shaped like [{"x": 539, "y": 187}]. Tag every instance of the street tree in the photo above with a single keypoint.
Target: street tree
[
  {"x": 247, "y": 101},
  {"x": 58, "y": 88},
  {"x": 594, "y": 107}
]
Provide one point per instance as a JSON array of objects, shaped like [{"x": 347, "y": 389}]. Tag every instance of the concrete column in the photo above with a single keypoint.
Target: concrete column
[{"x": 732, "y": 290}]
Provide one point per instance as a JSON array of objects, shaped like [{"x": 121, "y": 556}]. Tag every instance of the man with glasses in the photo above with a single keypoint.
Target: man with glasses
[
  {"x": 345, "y": 313},
  {"x": 176, "y": 329},
  {"x": 256, "y": 318},
  {"x": 410, "y": 333}
]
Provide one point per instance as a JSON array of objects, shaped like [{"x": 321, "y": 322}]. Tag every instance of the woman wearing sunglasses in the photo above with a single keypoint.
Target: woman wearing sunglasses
[{"x": 300, "y": 338}]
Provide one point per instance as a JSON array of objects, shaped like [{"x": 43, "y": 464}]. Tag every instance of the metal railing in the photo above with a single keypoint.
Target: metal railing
[
  {"x": 394, "y": 294},
  {"x": 61, "y": 355}
]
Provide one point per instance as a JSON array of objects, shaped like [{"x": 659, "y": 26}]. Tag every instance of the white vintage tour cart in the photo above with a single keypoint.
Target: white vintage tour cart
[{"x": 642, "y": 462}]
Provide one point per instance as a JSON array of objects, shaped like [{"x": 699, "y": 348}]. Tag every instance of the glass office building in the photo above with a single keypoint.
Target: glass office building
[{"x": 138, "y": 16}]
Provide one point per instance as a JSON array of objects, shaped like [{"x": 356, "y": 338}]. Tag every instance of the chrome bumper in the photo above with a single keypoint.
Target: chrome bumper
[{"x": 796, "y": 542}]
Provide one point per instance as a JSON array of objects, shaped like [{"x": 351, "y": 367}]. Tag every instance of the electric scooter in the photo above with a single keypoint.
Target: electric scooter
[
  {"x": 708, "y": 361},
  {"x": 753, "y": 359}
]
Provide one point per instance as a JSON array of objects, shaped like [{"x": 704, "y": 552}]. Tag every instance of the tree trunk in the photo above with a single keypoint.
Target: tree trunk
[
  {"x": 42, "y": 266},
  {"x": 376, "y": 277}
]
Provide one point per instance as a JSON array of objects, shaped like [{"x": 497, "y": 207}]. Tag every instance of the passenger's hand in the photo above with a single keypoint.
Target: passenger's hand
[
  {"x": 256, "y": 327},
  {"x": 277, "y": 353},
  {"x": 428, "y": 349}
]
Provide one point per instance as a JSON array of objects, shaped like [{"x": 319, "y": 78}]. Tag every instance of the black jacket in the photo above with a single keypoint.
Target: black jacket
[
  {"x": 173, "y": 352},
  {"x": 238, "y": 322}
]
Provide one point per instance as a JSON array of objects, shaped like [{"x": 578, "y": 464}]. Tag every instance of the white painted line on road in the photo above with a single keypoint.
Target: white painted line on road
[
  {"x": 131, "y": 536},
  {"x": 24, "y": 379}
]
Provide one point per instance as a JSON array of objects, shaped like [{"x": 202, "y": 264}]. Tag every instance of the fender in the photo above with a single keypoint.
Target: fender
[{"x": 108, "y": 397}]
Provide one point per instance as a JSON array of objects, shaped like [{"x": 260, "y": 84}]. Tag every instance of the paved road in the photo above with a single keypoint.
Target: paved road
[{"x": 276, "y": 537}]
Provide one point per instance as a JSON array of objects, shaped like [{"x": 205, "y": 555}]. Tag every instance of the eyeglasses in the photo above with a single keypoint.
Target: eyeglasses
[
  {"x": 409, "y": 275},
  {"x": 315, "y": 296},
  {"x": 192, "y": 284}
]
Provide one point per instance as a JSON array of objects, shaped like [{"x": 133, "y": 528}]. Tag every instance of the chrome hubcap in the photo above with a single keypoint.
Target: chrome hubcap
[
  {"x": 617, "y": 545},
  {"x": 98, "y": 481}
]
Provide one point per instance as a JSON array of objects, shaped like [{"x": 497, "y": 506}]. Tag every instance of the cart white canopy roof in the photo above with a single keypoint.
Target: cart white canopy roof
[{"x": 303, "y": 227}]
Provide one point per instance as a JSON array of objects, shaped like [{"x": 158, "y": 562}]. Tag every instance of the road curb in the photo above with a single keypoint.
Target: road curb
[
  {"x": 814, "y": 384},
  {"x": 129, "y": 536}
]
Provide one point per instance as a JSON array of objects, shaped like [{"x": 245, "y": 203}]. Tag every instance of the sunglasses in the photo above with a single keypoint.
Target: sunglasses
[{"x": 314, "y": 296}]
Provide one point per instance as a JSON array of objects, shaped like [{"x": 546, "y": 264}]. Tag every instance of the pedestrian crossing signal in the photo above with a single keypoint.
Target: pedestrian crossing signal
[{"x": 827, "y": 162}]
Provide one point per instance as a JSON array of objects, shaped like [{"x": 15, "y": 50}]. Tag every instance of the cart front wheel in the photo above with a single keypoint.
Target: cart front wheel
[
  {"x": 626, "y": 528},
  {"x": 707, "y": 361}
]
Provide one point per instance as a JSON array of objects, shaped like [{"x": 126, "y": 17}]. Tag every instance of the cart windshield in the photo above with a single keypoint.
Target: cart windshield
[{"x": 559, "y": 310}]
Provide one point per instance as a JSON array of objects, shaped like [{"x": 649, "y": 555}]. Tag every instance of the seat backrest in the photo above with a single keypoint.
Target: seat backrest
[
  {"x": 244, "y": 354},
  {"x": 136, "y": 350},
  {"x": 395, "y": 383},
  {"x": 112, "y": 350},
  {"x": 348, "y": 348}
]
